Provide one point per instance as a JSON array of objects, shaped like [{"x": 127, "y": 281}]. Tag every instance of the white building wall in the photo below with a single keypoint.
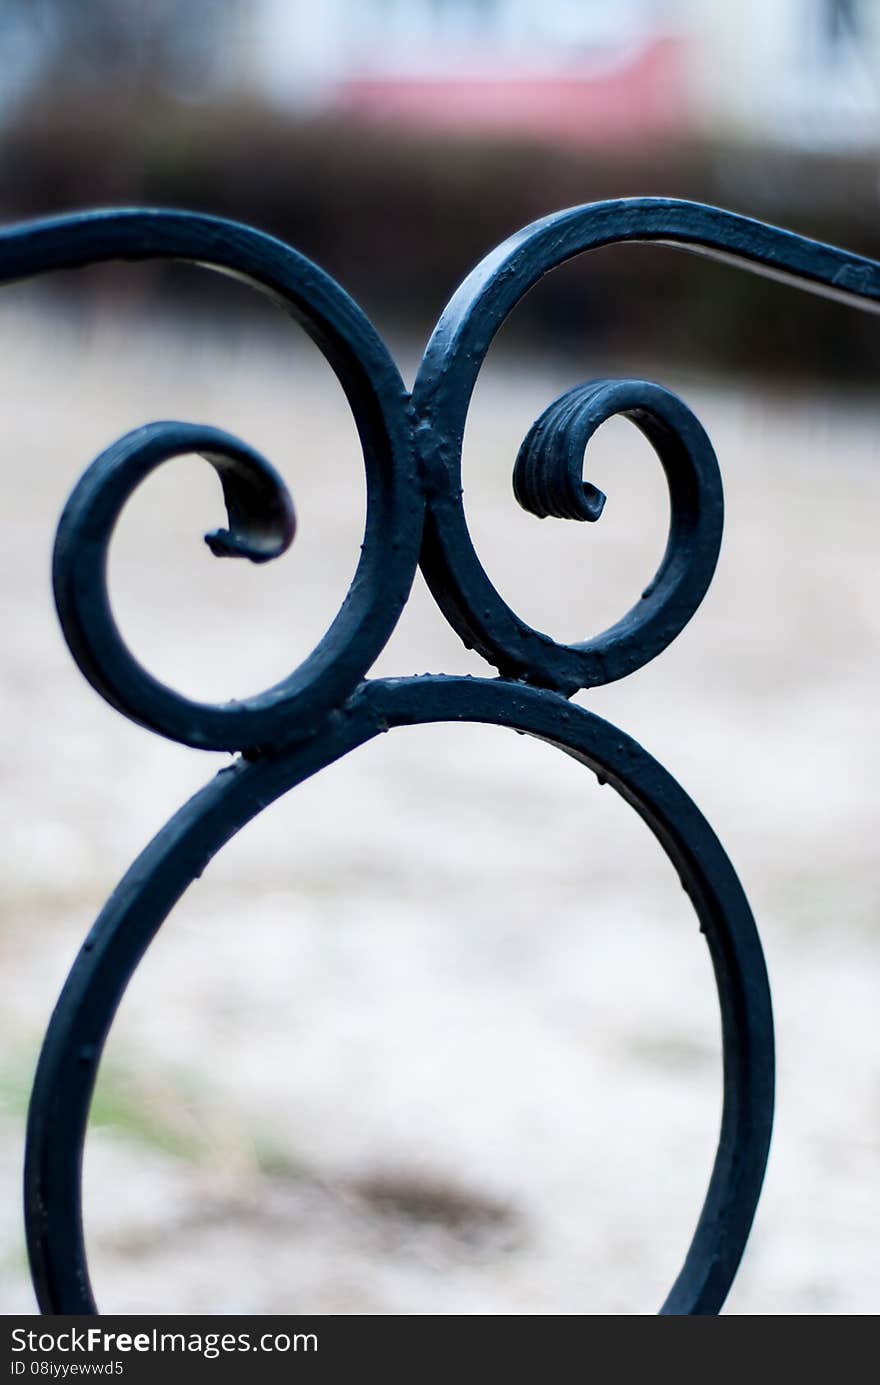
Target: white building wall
[{"x": 771, "y": 74}]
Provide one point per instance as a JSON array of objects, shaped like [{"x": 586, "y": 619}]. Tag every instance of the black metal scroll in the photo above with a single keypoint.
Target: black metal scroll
[{"x": 327, "y": 706}]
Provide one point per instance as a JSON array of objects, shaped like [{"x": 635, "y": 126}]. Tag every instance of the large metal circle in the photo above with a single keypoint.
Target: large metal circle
[{"x": 71, "y": 1052}]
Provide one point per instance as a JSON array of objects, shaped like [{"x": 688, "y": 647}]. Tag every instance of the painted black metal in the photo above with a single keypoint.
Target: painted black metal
[{"x": 327, "y": 706}]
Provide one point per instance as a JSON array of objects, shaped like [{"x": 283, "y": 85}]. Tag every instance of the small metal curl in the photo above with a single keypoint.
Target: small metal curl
[
  {"x": 548, "y": 472},
  {"x": 548, "y": 480},
  {"x": 262, "y": 524}
]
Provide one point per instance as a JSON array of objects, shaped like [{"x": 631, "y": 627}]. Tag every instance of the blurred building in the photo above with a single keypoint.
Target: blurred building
[
  {"x": 803, "y": 72},
  {"x": 564, "y": 70}
]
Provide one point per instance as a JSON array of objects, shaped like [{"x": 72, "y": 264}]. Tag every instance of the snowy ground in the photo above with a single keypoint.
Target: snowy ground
[{"x": 437, "y": 1034}]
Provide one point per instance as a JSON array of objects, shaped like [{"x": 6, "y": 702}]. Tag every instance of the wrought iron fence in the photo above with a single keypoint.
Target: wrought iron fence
[{"x": 327, "y": 706}]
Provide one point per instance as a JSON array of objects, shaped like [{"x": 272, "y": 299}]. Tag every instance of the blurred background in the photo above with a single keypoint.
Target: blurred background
[{"x": 437, "y": 1034}]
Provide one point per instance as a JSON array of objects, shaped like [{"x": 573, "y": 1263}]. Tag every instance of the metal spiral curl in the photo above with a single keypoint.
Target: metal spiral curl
[
  {"x": 548, "y": 480},
  {"x": 262, "y": 524},
  {"x": 327, "y": 707},
  {"x": 378, "y": 400}
]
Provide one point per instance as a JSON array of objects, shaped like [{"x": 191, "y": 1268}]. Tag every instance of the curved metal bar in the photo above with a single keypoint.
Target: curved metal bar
[
  {"x": 181, "y": 851},
  {"x": 451, "y": 365},
  {"x": 412, "y": 454},
  {"x": 378, "y": 401}
]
